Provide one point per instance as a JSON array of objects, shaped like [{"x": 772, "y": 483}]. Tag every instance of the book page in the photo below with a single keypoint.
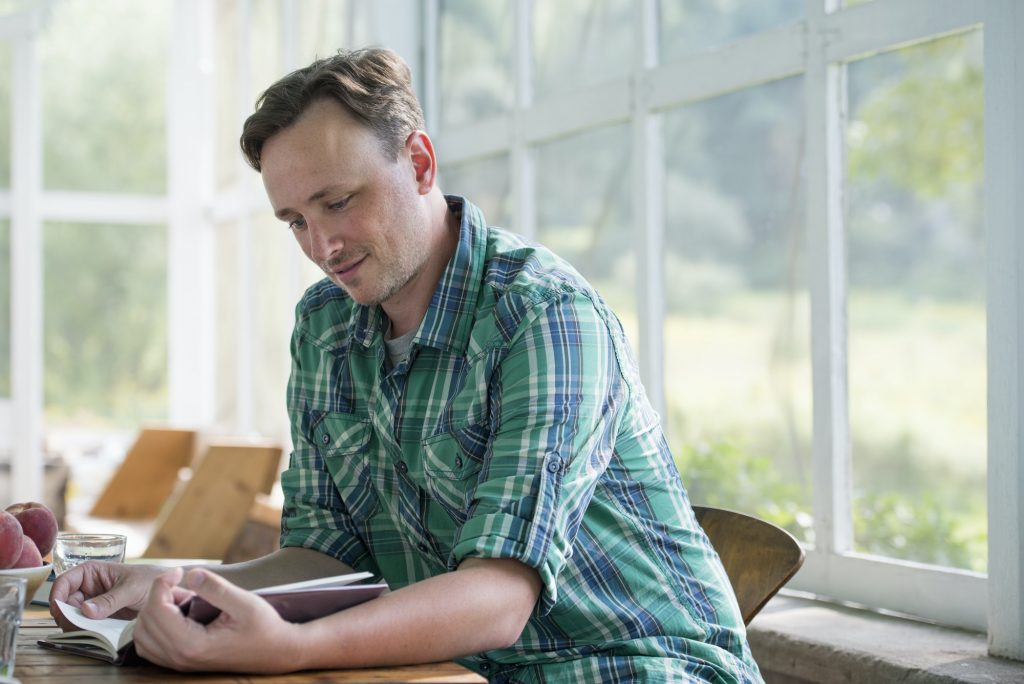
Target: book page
[
  {"x": 113, "y": 631},
  {"x": 335, "y": 581}
]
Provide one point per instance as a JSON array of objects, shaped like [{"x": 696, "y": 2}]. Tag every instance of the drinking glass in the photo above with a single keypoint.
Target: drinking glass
[
  {"x": 12, "y": 598},
  {"x": 74, "y": 548}
]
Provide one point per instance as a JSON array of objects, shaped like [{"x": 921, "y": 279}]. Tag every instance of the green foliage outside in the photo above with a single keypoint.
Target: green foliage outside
[
  {"x": 103, "y": 90},
  {"x": 105, "y": 324},
  {"x": 925, "y": 528},
  {"x": 915, "y": 311},
  {"x": 728, "y": 474}
]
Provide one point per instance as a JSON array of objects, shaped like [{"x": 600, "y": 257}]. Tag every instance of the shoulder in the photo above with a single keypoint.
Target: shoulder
[
  {"x": 527, "y": 270},
  {"x": 526, "y": 285}
]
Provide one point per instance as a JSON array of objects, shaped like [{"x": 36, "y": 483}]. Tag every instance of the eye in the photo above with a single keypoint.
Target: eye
[
  {"x": 297, "y": 224},
  {"x": 340, "y": 204}
]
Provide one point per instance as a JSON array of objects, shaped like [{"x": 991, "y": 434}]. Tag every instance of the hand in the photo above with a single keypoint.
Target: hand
[
  {"x": 102, "y": 589},
  {"x": 247, "y": 636}
]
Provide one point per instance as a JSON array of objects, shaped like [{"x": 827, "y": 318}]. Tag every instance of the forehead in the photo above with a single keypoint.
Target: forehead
[{"x": 325, "y": 144}]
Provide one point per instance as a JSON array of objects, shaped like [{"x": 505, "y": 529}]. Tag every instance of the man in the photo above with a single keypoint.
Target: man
[{"x": 468, "y": 424}]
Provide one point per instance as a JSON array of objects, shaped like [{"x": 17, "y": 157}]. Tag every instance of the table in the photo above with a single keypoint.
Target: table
[{"x": 35, "y": 664}]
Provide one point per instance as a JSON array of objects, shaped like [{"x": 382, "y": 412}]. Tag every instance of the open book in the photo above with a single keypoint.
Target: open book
[{"x": 110, "y": 639}]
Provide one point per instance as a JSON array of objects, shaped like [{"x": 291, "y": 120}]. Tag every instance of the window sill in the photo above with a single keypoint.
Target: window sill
[{"x": 798, "y": 641}]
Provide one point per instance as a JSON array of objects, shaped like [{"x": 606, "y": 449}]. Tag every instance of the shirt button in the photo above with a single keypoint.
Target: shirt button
[
  {"x": 401, "y": 467},
  {"x": 326, "y": 439},
  {"x": 485, "y": 667},
  {"x": 458, "y": 462},
  {"x": 422, "y": 547},
  {"x": 554, "y": 465}
]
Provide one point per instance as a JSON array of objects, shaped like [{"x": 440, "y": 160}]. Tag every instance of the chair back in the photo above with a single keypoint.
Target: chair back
[
  {"x": 147, "y": 475},
  {"x": 759, "y": 557},
  {"x": 205, "y": 516}
]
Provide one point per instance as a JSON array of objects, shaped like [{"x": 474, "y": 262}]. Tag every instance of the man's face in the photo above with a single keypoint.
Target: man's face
[{"x": 356, "y": 213}]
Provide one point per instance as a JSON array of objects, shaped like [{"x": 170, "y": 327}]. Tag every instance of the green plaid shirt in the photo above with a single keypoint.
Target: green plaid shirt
[{"x": 517, "y": 428}]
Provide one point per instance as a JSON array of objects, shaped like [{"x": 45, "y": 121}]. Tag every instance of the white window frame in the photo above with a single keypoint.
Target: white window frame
[
  {"x": 28, "y": 206},
  {"x": 816, "y": 47}
]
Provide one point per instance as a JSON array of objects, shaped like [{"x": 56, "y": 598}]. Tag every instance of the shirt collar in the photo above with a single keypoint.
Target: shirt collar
[{"x": 448, "y": 320}]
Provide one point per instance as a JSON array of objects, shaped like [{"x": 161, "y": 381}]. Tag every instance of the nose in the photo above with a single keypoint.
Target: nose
[{"x": 324, "y": 241}]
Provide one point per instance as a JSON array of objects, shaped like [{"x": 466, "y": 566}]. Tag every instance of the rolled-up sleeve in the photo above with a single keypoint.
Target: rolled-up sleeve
[{"x": 553, "y": 404}]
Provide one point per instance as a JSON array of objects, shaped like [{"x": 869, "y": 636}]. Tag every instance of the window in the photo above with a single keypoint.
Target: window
[
  {"x": 916, "y": 306},
  {"x": 737, "y": 317},
  {"x": 807, "y": 275}
]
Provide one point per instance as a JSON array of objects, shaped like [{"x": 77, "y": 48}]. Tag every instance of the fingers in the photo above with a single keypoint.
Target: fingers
[
  {"x": 102, "y": 589},
  {"x": 217, "y": 591}
]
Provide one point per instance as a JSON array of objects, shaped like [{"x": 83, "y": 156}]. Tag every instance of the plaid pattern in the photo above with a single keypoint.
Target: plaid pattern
[{"x": 517, "y": 428}]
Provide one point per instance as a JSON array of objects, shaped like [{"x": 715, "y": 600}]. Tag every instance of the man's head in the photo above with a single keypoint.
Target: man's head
[
  {"x": 346, "y": 167},
  {"x": 373, "y": 85}
]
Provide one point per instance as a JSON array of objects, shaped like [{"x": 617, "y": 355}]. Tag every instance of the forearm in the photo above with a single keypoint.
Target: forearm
[
  {"x": 291, "y": 564},
  {"x": 482, "y": 606}
]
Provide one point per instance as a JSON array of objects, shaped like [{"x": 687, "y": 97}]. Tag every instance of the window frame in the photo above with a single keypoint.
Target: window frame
[{"x": 816, "y": 47}]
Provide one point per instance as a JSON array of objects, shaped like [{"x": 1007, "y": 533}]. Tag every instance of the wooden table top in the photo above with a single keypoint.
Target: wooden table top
[{"x": 35, "y": 664}]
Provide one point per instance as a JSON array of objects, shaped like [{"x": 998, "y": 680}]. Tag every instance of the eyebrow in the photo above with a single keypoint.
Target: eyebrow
[{"x": 318, "y": 195}]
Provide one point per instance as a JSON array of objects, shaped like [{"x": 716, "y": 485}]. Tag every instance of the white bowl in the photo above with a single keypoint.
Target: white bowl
[{"x": 34, "y": 576}]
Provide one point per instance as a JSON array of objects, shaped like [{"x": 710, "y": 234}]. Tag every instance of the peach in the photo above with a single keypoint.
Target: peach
[
  {"x": 30, "y": 556},
  {"x": 11, "y": 539},
  {"x": 38, "y": 522}
]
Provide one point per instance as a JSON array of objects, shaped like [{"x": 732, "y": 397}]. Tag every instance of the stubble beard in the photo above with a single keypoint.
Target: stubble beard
[{"x": 395, "y": 274}]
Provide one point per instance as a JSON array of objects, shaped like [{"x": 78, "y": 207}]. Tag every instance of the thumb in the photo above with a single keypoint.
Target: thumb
[
  {"x": 219, "y": 592},
  {"x": 103, "y": 605}
]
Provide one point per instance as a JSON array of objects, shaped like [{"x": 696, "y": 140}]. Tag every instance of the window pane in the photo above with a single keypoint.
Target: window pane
[
  {"x": 226, "y": 94},
  {"x": 485, "y": 183},
  {"x": 6, "y": 60},
  {"x": 737, "y": 330},
  {"x": 917, "y": 303},
  {"x": 583, "y": 213},
  {"x": 103, "y": 72},
  {"x": 5, "y": 308},
  {"x": 265, "y": 64},
  {"x": 578, "y": 43},
  {"x": 273, "y": 310},
  {"x": 104, "y": 324},
  {"x": 227, "y": 332},
  {"x": 691, "y": 26},
  {"x": 325, "y": 26},
  {"x": 476, "y": 59}
]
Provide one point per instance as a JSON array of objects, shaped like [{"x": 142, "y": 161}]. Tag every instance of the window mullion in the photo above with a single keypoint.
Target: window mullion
[
  {"x": 1004, "y": 205},
  {"x": 521, "y": 158},
  {"x": 26, "y": 268},
  {"x": 825, "y": 118},
  {"x": 647, "y": 155}
]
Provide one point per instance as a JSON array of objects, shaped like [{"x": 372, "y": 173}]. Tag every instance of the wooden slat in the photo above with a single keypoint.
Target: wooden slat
[
  {"x": 147, "y": 476},
  {"x": 205, "y": 516}
]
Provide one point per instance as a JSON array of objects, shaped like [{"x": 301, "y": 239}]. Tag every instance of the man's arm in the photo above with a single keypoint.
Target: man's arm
[{"x": 483, "y": 605}]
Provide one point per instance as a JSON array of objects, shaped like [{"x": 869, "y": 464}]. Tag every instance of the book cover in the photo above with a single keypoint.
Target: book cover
[{"x": 110, "y": 639}]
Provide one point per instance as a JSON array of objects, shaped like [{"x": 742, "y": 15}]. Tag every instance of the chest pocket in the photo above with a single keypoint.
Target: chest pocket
[
  {"x": 343, "y": 440},
  {"x": 451, "y": 463}
]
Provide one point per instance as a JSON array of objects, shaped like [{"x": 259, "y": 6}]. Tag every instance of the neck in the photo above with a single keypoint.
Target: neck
[{"x": 406, "y": 312}]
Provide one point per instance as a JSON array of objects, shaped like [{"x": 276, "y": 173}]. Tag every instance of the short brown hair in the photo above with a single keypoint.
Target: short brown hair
[{"x": 373, "y": 84}]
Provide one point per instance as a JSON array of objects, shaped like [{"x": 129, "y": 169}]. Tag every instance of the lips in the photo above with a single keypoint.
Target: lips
[{"x": 346, "y": 269}]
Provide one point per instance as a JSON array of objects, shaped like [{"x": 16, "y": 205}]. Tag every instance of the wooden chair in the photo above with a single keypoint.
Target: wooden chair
[
  {"x": 146, "y": 476},
  {"x": 203, "y": 518},
  {"x": 759, "y": 557}
]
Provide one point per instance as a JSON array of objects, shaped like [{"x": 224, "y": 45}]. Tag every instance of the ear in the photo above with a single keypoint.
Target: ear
[{"x": 424, "y": 163}]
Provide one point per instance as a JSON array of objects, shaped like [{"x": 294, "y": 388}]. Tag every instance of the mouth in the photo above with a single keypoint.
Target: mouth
[{"x": 345, "y": 270}]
